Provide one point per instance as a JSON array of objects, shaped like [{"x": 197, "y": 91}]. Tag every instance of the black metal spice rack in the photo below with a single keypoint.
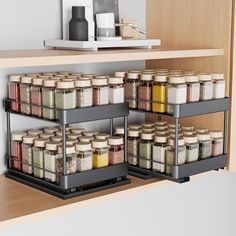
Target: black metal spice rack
[
  {"x": 182, "y": 173},
  {"x": 83, "y": 182}
]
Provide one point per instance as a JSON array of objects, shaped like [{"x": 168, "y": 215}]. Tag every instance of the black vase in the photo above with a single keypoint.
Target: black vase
[{"x": 78, "y": 26}]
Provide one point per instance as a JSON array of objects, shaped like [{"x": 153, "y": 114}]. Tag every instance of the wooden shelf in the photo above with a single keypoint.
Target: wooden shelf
[{"x": 45, "y": 57}]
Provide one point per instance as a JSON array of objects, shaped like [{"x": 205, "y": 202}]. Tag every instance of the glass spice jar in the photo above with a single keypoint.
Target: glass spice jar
[
  {"x": 217, "y": 143},
  {"x": 206, "y": 88},
  {"x": 86, "y": 139},
  {"x": 116, "y": 90},
  {"x": 100, "y": 154},
  {"x": 100, "y": 91},
  {"x": 36, "y": 97},
  {"x": 218, "y": 86},
  {"x": 84, "y": 157},
  {"x": 120, "y": 132},
  {"x": 159, "y": 93},
  {"x": 145, "y": 92},
  {"x": 193, "y": 88},
  {"x": 16, "y": 149},
  {"x": 102, "y": 136},
  {"x": 38, "y": 157},
  {"x": 25, "y": 94},
  {"x": 176, "y": 92},
  {"x": 131, "y": 89},
  {"x": 170, "y": 154},
  {"x": 205, "y": 146},
  {"x": 14, "y": 92},
  {"x": 48, "y": 99},
  {"x": 145, "y": 150},
  {"x": 116, "y": 150},
  {"x": 27, "y": 153},
  {"x": 84, "y": 93},
  {"x": 133, "y": 146},
  {"x": 159, "y": 153},
  {"x": 192, "y": 148},
  {"x": 121, "y": 74}
]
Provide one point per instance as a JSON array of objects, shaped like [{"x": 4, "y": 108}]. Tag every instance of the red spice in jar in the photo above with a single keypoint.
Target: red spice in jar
[
  {"x": 14, "y": 92},
  {"x": 116, "y": 151}
]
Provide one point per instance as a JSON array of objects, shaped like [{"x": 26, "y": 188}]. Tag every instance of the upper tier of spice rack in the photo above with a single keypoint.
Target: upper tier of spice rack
[{"x": 45, "y": 57}]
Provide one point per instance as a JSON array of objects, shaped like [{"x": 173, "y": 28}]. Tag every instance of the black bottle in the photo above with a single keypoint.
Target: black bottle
[{"x": 78, "y": 26}]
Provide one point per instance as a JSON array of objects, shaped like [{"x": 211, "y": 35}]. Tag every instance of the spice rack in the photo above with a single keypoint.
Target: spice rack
[
  {"x": 182, "y": 173},
  {"x": 83, "y": 182}
]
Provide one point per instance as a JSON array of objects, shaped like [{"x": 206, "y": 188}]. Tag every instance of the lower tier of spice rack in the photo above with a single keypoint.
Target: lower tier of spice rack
[
  {"x": 182, "y": 173},
  {"x": 77, "y": 184}
]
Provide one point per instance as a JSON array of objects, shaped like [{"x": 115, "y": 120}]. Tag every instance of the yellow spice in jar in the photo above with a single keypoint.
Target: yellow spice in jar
[
  {"x": 100, "y": 161},
  {"x": 159, "y": 94}
]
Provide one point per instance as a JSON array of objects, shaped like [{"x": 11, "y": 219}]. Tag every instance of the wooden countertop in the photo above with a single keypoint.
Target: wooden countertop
[{"x": 18, "y": 200}]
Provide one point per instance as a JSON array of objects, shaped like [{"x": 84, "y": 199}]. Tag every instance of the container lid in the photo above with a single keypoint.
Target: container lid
[
  {"x": 26, "y": 79},
  {"x": 120, "y": 130},
  {"x": 190, "y": 73},
  {"x": 120, "y": 74},
  {"x": 83, "y": 147},
  {"x": 71, "y": 77},
  {"x": 189, "y": 139},
  {"x": 99, "y": 144},
  {"x": 15, "y": 78},
  {"x": 51, "y": 83},
  {"x": 161, "y": 138},
  {"x": 41, "y": 142},
  {"x": 33, "y": 74},
  {"x": 60, "y": 77},
  {"x": 35, "y": 132},
  {"x": 161, "y": 123},
  {"x": 46, "y": 135},
  {"x": 134, "y": 133},
  {"x": 65, "y": 84},
  {"x": 18, "y": 136},
  {"x": 52, "y": 146},
  {"x": 38, "y": 81},
  {"x": 68, "y": 128},
  {"x": 135, "y": 126},
  {"x": 69, "y": 149},
  {"x": 73, "y": 136},
  {"x": 86, "y": 139},
  {"x": 203, "y": 137},
  {"x": 90, "y": 76},
  {"x": 216, "y": 134},
  {"x": 204, "y": 77},
  {"x": 176, "y": 71},
  {"x": 177, "y": 80},
  {"x": 59, "y": 133},
  {"x": 191, "y": 78},
  {"x": 115, "y": 141},
  {"x": 115, "y": 80},
  {"x": 172, "y": 126},
  {"x": 102, "y": 136},
  {"x": 160, "y": 78},
  {"x": 56, "y": 139},
  {"x": 29, "y": 139},
  {"x": 172, "y": 135},
  {"x": 164, "y": 132},
  {"x": 99, "y": 81},
  {"x": 202, "y": 131},
  {"x": 181, "y": 142},
  {"x": 146, "y": 77},
  {"x": 77, "y": 74},
  {"x": 188, "y": 128},
  {"x": 173, "y": 130},
  {"x": 189, "y": 133},
  {"x": 161, "y": 128},
  {"x": 218, "y": 76},
  {"x": 77, "y": 130},
  {"x": 151, "y": 130},
  {"x": 51, "y": 130},
  {"x": 71, "y": 141},
  {"x": 56, "y": 78},
  {"x": 161, "y": 70},
  {"x": 147, "y": 135},
  {"x": 49, "y": 74},
  {"x": 44, "y": 77},
  {"x": 90, "y": 133},
  {"x": 65, "y": 73},
  {"x": 149, "y": 125},
  {"x": 133, "y": 75},
  {"x": 83, "y": 83}
]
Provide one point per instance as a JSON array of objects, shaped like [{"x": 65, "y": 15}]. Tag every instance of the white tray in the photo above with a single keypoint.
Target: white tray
[{"x": 95, "y": 45}]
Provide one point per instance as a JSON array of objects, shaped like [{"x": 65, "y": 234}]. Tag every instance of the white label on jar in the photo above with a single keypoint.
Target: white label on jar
[
  {"x": 177, "y": 94},
  {"x": 159, "y": 154},
  {"x": 207, "y": 91},
  {"x": 219, "y": 90},
  {"x": 116, "y": 95}
]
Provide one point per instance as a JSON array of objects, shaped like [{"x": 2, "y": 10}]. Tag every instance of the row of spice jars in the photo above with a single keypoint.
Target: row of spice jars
[
  {"x": 151, "y": 90},
  {"x": 40, "y": 96}
]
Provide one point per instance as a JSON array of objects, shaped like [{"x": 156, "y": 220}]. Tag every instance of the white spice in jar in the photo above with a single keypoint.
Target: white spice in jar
[
  {"x": 25, "y": 94},
  {"x": 192, "y": 148},
  {"x": 116, "y": 90},
  {"x": 133, "y": 146},
  {"x": 218, "y": 86},
  {"x": 84, "y": 157},
  {"x": 206, "y": 88},
  {"x": 100, "y": 91},
  {"x": 193, "y": 88}
]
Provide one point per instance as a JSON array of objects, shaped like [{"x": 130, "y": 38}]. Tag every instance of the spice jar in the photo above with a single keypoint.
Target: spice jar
[
  {"x": 84, "y": 93},
  {"x": 14, "y": 92},
  {"x": 27, "y": 153},
  {"x": 50, "y": 155},
  {"x": 170, "y": 154},
  {"x": 145, "y": 92},
  {"x": 51, "y": 130},
  {"x": 102, "y": 136},
  {"x": 48, "y": 99},
  {"x": 121, "y": 74},
  {"x": 206, "y": 88},
  {"x": 100, "y": 91},
  {"x": 25, "y": 95},
  {"x": 120, "y": 131},
  {"x": 177, "y": 92},
  {"x": 100, "y": 154},
  {"x": 145, "y": 150},
  {"x": 192, "y": 148},
  {"x": 159, "y": 153},
  {"x": 116, "y": 90},
  {"x": 193, "y": 88},
  {"x": 131, "y": 89},
  {"x": 159, "y": 93},
  {"x": 205, "y": 146},
  {"x": 133, "y": 146},
  {"x": 65, "y": 95},
  {"x": 116, "y": 150},
  {"x": 217, "y": 143},
  {"x": 36, "y": 97},
  {"x": 16, "y": 150},
  {"x": 34, "y": 132},
  {"x": 218, "y": 86},
  {"x": 38, "y": 157},
  {"x": 84, "y": 157},
  {"x": 86, "y": 139}
]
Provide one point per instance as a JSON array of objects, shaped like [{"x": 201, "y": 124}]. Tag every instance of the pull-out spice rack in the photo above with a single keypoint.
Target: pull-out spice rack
[
  {"x": 182, "y": 173},
  {"x": 82, "y": 182}
]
